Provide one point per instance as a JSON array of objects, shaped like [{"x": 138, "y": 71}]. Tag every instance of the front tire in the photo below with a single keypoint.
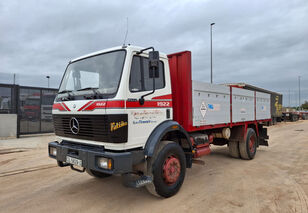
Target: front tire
[
  {"x": 248, "y": 147},
  {"x": 168, "y": 168}
]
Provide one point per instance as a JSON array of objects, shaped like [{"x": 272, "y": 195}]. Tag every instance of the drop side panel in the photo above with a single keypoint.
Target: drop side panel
[
  {"x": 242, "y": 105},
  {"x": 263, "y": 106},
  {"x": 211, "y": 104}
]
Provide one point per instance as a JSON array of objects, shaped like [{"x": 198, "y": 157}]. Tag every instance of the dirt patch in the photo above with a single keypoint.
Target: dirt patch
[
  {"x": 21, "y": 171},
  {"x": 275, "y": 181},
  {"x": 12, "y": 150},
  {"x": 6, "y": 161}
]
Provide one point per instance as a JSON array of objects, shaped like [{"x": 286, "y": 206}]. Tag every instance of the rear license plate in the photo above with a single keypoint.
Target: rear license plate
[{"x": 74, "y": 161}]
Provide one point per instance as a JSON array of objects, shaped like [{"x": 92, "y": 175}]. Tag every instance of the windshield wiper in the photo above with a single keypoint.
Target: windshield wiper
[
  {"x": 97, "y": 94},
  {"x": 69, "y": 96},
  {"x": 88, "y": 88},
  {"x": 65, "y": 91}
]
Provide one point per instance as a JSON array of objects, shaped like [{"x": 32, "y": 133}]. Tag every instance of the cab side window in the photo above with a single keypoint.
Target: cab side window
[{"x": 139, "y": 75}]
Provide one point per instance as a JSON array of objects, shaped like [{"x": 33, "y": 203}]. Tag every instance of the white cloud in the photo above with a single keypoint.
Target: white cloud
[{"x": 259, "y": 42}]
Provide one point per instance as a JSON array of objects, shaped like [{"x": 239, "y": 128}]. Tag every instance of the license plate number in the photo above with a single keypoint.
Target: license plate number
[{"x": 74, "y": 161}]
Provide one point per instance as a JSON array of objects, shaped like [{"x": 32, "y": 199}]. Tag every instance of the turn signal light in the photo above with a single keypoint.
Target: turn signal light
[{"x": 174, "y": 127}]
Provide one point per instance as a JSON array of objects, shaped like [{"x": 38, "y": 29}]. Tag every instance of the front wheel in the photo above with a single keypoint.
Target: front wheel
[{"x": 168, "y": 168}]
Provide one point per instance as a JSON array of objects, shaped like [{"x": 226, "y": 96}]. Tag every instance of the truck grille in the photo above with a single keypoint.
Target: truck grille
[{"x": 93, "y": 127}]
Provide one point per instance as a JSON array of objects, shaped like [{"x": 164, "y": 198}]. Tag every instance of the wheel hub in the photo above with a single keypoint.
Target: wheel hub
[
  {"x": 171, "y": 170},
  {"x": 251, "y": 145}
]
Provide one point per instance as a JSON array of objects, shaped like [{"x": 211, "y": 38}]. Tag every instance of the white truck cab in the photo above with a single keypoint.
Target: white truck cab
[{"x": 111, "y": 82}]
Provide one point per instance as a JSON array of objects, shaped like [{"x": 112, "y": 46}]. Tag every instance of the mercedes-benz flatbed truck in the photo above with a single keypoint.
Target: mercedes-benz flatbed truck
[{"x": 136, "y": 112}]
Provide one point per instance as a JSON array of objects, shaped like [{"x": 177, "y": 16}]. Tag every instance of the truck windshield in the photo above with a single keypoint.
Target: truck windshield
[{"x": 102, "y": 72}]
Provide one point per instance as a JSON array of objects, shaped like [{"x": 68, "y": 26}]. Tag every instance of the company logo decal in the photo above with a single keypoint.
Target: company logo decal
[
  {"x": 147, "y": 116},
  {"x": 213, "y": 107},
  {"x": 144, "y": 122},
  {"x": 117, "y": 125},
  {"x": 243, "y": 110},
  {"x": 74, "y": 125}
]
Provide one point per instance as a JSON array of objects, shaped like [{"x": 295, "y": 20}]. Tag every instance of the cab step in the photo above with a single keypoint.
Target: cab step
[{"x": 129, "y": 181}]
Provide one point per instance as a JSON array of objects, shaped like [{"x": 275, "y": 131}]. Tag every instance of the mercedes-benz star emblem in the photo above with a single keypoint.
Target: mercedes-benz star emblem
[{"x": 74, "y": 125}]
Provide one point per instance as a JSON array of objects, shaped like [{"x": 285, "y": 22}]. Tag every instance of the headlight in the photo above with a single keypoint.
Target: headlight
[
  {"x": 53, "y": 151},
  {"x": 104, "y": 163}
]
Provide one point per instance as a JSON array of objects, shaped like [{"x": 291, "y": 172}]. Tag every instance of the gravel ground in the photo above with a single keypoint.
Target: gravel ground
[{"x": 275, "y": 181}]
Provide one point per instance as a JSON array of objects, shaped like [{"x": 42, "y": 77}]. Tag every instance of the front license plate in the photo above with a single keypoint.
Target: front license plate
[{"x": 74, "y": 161}]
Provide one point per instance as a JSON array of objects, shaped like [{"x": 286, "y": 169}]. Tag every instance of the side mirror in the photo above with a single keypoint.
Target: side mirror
[
  {"x": 153, "y": 71},
  {"x": 154, "y": 64}
]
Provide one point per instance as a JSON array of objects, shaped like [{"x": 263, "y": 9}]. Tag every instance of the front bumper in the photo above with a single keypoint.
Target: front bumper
[{"x": 122, "y": 162}]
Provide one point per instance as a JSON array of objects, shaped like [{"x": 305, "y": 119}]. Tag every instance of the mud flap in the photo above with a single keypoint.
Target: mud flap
[
  {"x": 263, "y": 142},
  {"x": 263, "y": 136}
]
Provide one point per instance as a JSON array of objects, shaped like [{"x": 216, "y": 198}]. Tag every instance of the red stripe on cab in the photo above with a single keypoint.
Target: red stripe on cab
[
  {"x": 66, "y": 107},
  {"x": 96, "y": 105},
  {"x": 121, "y": 104},
  {"x": 85, "y": 105},
  {"x": 115, "y": 104},
  {"x": 58, "y": 106}
]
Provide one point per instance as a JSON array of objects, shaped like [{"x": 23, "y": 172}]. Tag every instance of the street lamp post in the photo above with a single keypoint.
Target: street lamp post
[
  {"x": 48, "y": 77},
  {"x": 299, "y": 92},
  {"x": 289, "y": 98},
  {"x": 211, "y": 54}
]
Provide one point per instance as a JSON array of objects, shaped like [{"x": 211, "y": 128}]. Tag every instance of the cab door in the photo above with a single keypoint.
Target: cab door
[{"x": 144, "y": 116}]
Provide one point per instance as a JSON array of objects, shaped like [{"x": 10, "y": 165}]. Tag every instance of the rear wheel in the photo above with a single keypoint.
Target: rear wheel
[
  {"x": 167, "y": 168},
  {"x": 97, "y": 174},
  {"x": 234, "y": 149},
  {"x": 248, "y": 147}
]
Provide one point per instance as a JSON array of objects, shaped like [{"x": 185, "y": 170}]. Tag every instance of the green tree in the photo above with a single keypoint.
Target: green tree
[{"x": 305, "y": 105}]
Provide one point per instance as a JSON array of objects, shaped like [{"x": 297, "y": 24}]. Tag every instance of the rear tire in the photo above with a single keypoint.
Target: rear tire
[
  {"x": 248, "y": 147},
  {"x": 97, "y": 174},
  {"x": 234, "y": 150},
  {"x": 167, "y": 168}
]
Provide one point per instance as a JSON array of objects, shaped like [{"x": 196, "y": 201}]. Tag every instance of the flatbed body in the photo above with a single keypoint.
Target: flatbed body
[{"x": 200, "y": 106}]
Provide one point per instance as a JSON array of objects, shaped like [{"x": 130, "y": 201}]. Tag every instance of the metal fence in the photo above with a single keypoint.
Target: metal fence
[{"x": 33, "y": 105}]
